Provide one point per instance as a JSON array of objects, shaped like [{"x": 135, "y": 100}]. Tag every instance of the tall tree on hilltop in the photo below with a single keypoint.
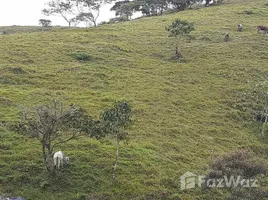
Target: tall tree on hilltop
[
  {"x": 63, "y": 8},
  {"x": 89, "y": 10},
  {"x": 124, "y": 9}
]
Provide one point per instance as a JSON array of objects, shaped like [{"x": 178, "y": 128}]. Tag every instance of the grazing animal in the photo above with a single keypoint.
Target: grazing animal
[
  {"x": 240, "y": 27},
  {"x": 60, "y": 160},
  {"x": 227, "y": 37},
  {"x": 262, "y": 28}
]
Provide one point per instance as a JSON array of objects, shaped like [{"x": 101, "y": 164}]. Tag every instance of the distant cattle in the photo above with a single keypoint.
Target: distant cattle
[
  {"x": 227, "y": 37},
  {"x": 240, "y": 27},
  {"x": 262, "y": 28},
  {"x": 60, "y": 160}
]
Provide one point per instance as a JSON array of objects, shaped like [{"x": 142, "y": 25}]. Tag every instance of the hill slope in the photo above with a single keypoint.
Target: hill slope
[{"x": 181, "y": 109}]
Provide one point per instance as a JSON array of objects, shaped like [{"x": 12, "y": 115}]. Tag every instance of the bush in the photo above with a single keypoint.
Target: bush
[
  {"x": 236, "y": 163},
  {"x": 82, "y": 56},
  {"x": 247, "y": 193}
]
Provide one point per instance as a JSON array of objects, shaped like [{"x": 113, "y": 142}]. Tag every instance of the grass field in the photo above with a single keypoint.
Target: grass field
[{"x": 183, "y": 111}]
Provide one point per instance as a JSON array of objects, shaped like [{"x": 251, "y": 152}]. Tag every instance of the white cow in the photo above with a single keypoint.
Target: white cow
[
  {"x": 240, "y": 27},
  {"x": 60, "y": 160}
]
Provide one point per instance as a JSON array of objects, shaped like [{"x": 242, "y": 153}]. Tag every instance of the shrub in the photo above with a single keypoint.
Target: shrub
[
  {"x": 247, "y": 193},
  {"x": 82, "y": 56},
  {"x": 236, "y": 163}
]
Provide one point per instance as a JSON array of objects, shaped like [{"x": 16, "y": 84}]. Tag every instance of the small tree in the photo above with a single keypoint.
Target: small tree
[
  {"x": 89, "y": 10},
  {"x": 179, "y": 29},
  {"x": 115, "y": 120},
  {"x": 45, "y": 23},
  {"x": 54, "y": 124},
  {"x": 63, "y": 8}
]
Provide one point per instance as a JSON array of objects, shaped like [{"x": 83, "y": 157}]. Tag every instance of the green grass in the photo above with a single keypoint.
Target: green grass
[
  {"x": 27, "y": 29},
  {"x": 182, "y": 110}
]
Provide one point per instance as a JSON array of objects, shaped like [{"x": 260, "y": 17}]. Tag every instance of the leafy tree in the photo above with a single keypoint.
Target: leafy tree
[
  {"x": 89, "y": 10},
  {"x": 124, "y": 9},
  {"x": 115, "y": 120},
  {"x": 54, "y": 124},
  {"x": 151, "y": 7},
  {"x": 45, "y": 23},
  {"x": 207, "y": 2},
  {"x": 179, "y": 29},
  {"x": 156, "y": 7},
  {"x": 63, "y": 8},
  {"x": 179, "y": 4}
]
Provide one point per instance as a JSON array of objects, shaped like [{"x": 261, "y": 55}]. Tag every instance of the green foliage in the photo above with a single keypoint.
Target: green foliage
[
  {"x": 117, "y": 118},
  {"x": 124, "y": 8},
  {"x": 45, "y": 22},
  {"x": 82, "y": 56},
  {"x": 180, "y": 28}
]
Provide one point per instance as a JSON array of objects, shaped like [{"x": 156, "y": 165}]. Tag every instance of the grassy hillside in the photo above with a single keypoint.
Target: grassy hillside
[
  {"x": 26, "y": 29},
  {"x": 182, "y": 110}
]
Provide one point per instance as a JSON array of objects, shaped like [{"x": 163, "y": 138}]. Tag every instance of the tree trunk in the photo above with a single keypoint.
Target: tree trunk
[
  {"x": 48, "y": 159},
  {"x": 44, "y": 153},
  {"x": 117, "y": 155},
  {"x": 95, "y": 24}
]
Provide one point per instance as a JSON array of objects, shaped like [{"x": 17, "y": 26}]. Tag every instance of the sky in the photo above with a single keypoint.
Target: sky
[{"x": 28, "y": 12}]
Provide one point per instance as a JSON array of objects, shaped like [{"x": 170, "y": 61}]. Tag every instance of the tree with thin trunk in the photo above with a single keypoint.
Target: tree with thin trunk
[
  {"x": 89, "y": 10},
  {"x": 55, "y": 124},
  {"x": 179, "y": 29},
  {"x": 63, "y": 8},
  {"x": 115, "y": 120}
]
